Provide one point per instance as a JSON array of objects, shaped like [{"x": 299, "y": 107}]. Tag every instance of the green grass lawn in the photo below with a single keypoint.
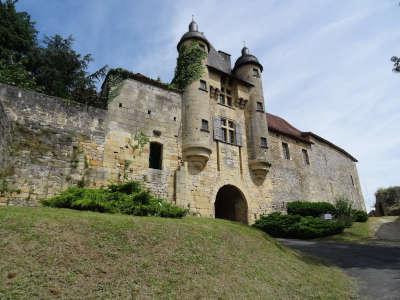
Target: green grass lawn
[
  {"x": 361, "y": 232},
  {"x": 61, "y": 253}
]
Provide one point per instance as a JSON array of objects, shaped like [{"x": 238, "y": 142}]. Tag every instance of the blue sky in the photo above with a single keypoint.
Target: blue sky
[{"x": 326, "y": 63}]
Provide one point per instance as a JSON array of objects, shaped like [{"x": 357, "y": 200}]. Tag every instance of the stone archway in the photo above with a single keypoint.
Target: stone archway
[{"x": 230, "y": 204}]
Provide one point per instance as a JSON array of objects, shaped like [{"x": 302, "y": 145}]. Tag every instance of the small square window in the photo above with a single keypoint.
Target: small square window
[
  {"x": 260, "y": 106},
  {"x": 263, "y": 142},
  {"x": 286, "y": 153},
  {"x": 256, "y": 73},
  {"x": 204, "y": 125},
  {"x": 306, "y": 159},
  {"x": 203, "y": 85},
  {"x": 120, "y": 105}
]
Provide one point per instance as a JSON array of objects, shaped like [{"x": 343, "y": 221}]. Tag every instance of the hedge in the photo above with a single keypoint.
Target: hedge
[
  {"x": 359, "y": 216},
  {"x": 296, "y": 226},
  {"x": 314, "y": 209}
]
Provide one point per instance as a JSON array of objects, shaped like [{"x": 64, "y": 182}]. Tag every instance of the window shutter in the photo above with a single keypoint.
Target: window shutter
[
  {"x": 217, "y": 129},
  {"x": 238, "y": 134}
]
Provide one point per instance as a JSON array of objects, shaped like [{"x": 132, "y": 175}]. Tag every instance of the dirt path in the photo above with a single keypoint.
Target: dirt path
[{"x": 375, "y": 266}]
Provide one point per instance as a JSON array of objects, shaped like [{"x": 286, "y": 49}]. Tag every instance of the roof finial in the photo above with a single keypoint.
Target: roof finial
[{"x": 193, "y": 25}]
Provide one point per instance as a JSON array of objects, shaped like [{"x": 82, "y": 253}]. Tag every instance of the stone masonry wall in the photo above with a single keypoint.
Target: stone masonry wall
[
  {"x": 5, "y": 139},
  {"x": 327, "y": 177},
  {"x": 54, "y": 144},
  {"x": 155, "y": 112}
]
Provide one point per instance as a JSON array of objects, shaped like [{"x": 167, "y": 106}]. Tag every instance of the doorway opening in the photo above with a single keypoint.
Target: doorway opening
[{"x": 230, "y": 204}]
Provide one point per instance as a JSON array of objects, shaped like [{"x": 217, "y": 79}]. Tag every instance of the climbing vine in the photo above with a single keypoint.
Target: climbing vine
[{"x": 189, "y": 66}]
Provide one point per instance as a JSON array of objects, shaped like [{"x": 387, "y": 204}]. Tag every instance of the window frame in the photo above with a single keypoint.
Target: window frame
[
  {"x": 203, "y": 85},
  {"x": 306, "y": 157},
  {"x": 263, "y": 142},
  {"x": 286, "y": 151},
  {"x": 225, "y": 95},
  {"x": 205, "y": 125},
  {"x": 228, "y": 129}
]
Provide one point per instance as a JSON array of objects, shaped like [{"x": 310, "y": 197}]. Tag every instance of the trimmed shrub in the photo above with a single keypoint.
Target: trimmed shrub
[
  {"x": 343, "y": 211},
  {"x": 296, "y": 226},
  {"x": 128, "y": 198},
  {"x": 313, "y": 209},
  {"x": 359, "y": 216}
]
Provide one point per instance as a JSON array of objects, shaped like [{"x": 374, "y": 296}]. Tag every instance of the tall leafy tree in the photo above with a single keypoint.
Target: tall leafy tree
[{"x": 17, "y": 40}]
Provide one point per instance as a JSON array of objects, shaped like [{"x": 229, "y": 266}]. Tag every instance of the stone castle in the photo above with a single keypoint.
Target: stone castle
[{"x": 211, "y": 148}]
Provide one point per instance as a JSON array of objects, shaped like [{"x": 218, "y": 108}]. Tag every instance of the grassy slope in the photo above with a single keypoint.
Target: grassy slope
[
  {"x": 361, "y": 232},
  {"x": 49, "y": 253}
]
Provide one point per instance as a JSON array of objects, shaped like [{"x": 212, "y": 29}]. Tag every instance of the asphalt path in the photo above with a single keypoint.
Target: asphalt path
[{"x": 375, "y": 266}]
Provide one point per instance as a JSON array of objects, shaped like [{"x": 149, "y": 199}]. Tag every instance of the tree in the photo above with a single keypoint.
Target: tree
[
  {"x": 17, "y": 40},
  {"x": 396, "y": 64},
  {"x": 17, "y": 33}
]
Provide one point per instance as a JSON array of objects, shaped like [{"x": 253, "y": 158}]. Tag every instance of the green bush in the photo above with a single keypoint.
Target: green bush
[
  {"x": 128, "y": 198},
  {"x": 343, "y": 211},
  {"x": 296, "y": 226},
  {"x": 313, "y": 209},
  {"x": 359, "y": 216}
]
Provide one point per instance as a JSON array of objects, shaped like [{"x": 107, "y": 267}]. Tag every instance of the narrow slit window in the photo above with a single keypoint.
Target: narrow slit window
[
  {"x": 155, "y": 157},
  {"x": 285, "y": 149},
  {"x": 306, "y": 159},
  {"x": 352, "y": 180}
]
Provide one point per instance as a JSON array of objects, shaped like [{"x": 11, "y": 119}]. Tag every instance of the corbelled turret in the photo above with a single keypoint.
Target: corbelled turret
[
  {"x": 248, "y": 67},
  {"x": 196, "y": 117}
]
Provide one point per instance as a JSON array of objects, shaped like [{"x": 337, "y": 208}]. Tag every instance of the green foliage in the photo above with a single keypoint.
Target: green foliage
[
  {"x": 17, "y": 33},
  {"x": 389, "y": 196},
  {"x": 189, "y": 66},
  {"x": 296, "y": 226},
  {"x": 314, "y": 209},
  {"x": 128, "y": 198},
  {"x": 16, "y": 74},
  {"x": 53, "y": 67},
  {"x": 343, "y": 211},
  {"x": 359, "y": 215},
  {"x": 61, "y": 71}
]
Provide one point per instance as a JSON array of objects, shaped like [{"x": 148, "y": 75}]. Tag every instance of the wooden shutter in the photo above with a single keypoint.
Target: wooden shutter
[
  {"x": 238, "y": 134},
  {"x": 217, "y": 129}
]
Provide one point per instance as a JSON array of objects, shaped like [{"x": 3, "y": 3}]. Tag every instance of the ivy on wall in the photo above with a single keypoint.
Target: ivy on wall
[{"x": 189, "y": 66}]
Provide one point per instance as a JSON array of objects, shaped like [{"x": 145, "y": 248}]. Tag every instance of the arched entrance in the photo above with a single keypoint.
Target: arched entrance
[{"x": 230, "y": 204}]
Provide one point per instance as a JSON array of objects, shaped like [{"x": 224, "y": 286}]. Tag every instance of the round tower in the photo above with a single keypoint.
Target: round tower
[
  {"x": 247, "y": 67},
  {"x": 196, "y": 117}
]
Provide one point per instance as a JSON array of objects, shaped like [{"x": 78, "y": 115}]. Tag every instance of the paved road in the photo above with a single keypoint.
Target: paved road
[{"x": 376, "y": 266}]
